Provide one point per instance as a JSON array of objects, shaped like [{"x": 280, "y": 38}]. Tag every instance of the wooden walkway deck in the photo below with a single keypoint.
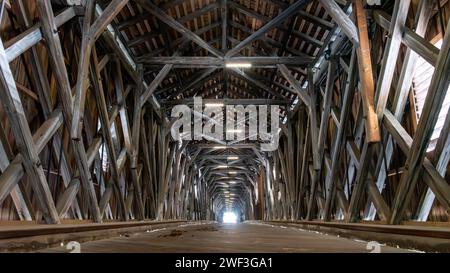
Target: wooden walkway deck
[{"x": 230, "y": 238}]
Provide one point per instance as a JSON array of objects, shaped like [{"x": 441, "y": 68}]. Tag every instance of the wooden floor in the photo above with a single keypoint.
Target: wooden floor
[{"x": 243, "y": 237}]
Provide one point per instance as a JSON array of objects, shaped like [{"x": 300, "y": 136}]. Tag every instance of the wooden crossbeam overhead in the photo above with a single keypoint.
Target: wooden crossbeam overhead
[
  {"x": 199, "y": 79},
  {"x": 251, "y": 13},
  {"x": 155, "y": 83},
  {"x": 224, "y": 15},
  {"x": 342, "y": 19},
  {"x": 145, "y": 15},
  {"x": 255, "y": 82},
  {"x": 160, "y": 14},
  {"x": 219, "y": 62},
  {"x": 291, "y": 10},
  {"x": 301, "y": 92}
]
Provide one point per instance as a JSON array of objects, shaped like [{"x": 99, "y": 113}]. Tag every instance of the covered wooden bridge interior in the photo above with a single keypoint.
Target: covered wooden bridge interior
[{"x": 87, "y": 89}]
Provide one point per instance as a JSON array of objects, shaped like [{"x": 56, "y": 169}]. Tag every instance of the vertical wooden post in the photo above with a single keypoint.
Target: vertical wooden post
[{"x": 366, "y": 75}]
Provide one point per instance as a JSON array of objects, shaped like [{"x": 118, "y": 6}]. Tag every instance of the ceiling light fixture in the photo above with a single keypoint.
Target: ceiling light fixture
[
  {"x": 214, "y": 104},
  {"x": 238, "y": 65},
  {"x": 219, "y": 147}
]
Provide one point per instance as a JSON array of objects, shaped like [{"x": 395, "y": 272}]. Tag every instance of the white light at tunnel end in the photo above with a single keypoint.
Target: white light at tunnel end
[{"x": 229, "y": 217}]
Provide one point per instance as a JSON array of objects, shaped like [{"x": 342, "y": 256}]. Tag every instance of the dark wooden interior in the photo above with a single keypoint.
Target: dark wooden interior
[{"x": 87, "y": 89}]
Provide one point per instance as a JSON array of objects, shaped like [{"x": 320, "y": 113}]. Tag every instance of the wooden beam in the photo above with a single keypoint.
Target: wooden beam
[
  {"x": 339, "y": 139},
  {"x": 327, "y": 102},
  {"x": 314, "y": 126},
  {"x": 67, "y": 197},
  {"x": 19, "y": 124},
  {"x": 161, "y": 15},
  {"x": 316, "y": 20},
  {"x": 83, "y": 71},
  {"x": 391, "y": 52},
  {"x": 322, "y": 133},
  {"x": 366, "y": 74},
  {"x": 198, "y": 79},
  {"x": 133, "y": 147},
  {"x": 440, "y": 160},
  {"x": 224, "y": 25},
  {"x": 255, "y": 82},
  {"x": 90, "y": 35},
  {"x": 41, "y": 84},
  {"x": 296, "y": 86},
  {"x": 402, "y": 93},
  {"x": 421, "y": 45},
  {"x": 291, "y": 10},
  {"x": 342, "y": 19},
  {"x": 413, "y": 39},
  {"x": 57, "y": 61},
  {"x": 433, "y": 103},
  {"x": 106, "y": 129},
  {"x": 19, "y": 194},
  {"x": 109, "y": 13},
  {"x": 198, "y": 12},
  {"x": 155, "y": 83},
  {"x": 27, "y": 39},
  {"x": 14, "y": 171},
  {"x": 365, "y": 163},
  {"x": 430, "y": 176},
  {"x": 195, "y": 62}
]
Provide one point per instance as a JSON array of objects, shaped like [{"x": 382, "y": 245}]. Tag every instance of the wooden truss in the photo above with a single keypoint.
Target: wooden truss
[{"x": 106, "y": 75}]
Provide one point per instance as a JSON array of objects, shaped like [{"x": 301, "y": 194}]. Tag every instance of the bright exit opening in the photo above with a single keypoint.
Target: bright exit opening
[{"x": 229, "y": 218}]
